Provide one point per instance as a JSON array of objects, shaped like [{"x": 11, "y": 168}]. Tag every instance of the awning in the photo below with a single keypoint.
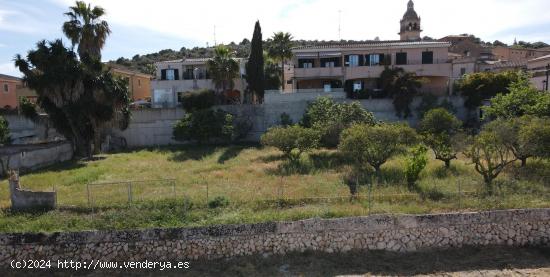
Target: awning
[
  {"x": 306, "y": 55},
  {"x": 330, "y": 54}
]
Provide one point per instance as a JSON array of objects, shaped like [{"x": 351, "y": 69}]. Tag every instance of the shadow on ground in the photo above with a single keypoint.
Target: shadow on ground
[{"x": 467, "y": 261}]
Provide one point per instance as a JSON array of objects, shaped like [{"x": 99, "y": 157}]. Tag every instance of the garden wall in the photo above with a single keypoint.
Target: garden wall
[
  {"x": 152, "y": 127},
  {"x": 34, "y": 156},
  {"x": 404, "y": 233}
]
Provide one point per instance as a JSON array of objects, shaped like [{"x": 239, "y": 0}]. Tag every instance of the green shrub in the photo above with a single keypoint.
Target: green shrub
[
  {"x": 198, "y": 100},
  {"x": 330, "y": 118},
  {"x": 415, "y": 164},
  {"x": 285, "y": 120},
  {"x": 292, "y": 140},
  {"x": 218, "y": 202},
  {"x": 429, "y": 102},
  {"x": 4, "y": 130},
  {"x": 28, "y": 109},
  {"x": 374, "y": 145},
  {"x": 205, "y": 126}
]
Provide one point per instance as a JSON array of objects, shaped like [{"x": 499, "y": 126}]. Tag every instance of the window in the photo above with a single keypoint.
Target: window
[
  {"x": 353, "y": 60},
  {"x": 357, "y": 86},
  {"x": 373, "y": 59},
  {"x": 462, "y": 71},
  {"x": 180, "y": 97},
  {"x": 139, "y": 82},
  {"x": 305, "y": 63},
  {"x": 330, "y": 62},
  {"x": 427, "y": 57},
  {"x": 401, "y": 58},
  {"x": 6, "y": 88},
  {"x": 169, "y": 74}
]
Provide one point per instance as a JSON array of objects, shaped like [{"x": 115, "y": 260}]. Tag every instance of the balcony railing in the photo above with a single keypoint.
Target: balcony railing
[{"x": 309, "y": 90}]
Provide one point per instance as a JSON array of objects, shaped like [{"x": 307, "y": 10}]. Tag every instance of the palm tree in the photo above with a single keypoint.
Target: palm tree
[
  {"x": 223, "y": 68},
  {"x": 280, "y": 50},
  {"x": 86, "y": 29},
  {"x": 402, "y": 86}
]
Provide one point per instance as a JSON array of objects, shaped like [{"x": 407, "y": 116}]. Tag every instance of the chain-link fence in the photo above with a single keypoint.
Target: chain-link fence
[{"x": 372, "y": 196}]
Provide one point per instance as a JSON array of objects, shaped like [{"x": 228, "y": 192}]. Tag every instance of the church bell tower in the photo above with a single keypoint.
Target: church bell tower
[{"x": 410, "y": 24}]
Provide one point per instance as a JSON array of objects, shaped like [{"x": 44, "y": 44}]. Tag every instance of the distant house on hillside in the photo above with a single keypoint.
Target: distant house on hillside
[
  {"x": 539, "y": 68},
  {"x": 8, "y": 87},
  {"x": 175, "y": 78}
]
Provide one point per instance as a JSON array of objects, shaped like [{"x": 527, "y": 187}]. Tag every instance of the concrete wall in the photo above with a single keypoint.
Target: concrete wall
[
  {"x": 22, "y": 200},
  {"x": 152, "y": 127},
  {"x": 23, "y": 130},
  {"x": 32, "y": 157},
  {"x": 402, "y": 233}
]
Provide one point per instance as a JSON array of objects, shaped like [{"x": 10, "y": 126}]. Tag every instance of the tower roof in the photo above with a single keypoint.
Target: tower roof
[{"x": 411, "y": 13}]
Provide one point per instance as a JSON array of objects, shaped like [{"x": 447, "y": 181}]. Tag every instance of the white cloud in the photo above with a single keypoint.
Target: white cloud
[{"x": 318, "y": 19}]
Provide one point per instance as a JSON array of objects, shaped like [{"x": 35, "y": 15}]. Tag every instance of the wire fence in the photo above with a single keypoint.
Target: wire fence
[{"x": 374, "y": 196}]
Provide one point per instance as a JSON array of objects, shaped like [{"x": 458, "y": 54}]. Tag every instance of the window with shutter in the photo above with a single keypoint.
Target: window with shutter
[
  {"x": 163, "y": 74},
  {"x": 427, "y": 57},
  {"x": 401, "y": 58}
]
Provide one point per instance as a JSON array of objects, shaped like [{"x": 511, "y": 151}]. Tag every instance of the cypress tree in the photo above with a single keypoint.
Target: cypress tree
[{"x": 255, "y": 65}]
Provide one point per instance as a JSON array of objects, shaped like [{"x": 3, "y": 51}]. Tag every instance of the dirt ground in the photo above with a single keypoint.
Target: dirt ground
[{"x": 491, "y": 261}]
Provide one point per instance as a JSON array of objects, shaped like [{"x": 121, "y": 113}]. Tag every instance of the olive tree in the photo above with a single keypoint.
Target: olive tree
[
  {"x": 374, "y": 145},
  {"x": 490, "y": 156},
  {"x": 291, "y": 140},
  {"x": 440, "y": 131}
]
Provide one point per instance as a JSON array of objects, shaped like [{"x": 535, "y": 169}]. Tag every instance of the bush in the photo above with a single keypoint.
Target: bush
[
  {"x": 414, "y": 165},
  {"x": 330, "y": 118},
  {"x": 198, "y": 100},
  {"x": 292, "y": 140},
  {"x": 430, "y": 102},
  {"x": 285, "y": 120},
  {"x": 205, "y": 126},
  {"x": 374, "y": 145},
  {"x": 440, "y": 131},
  {"x": 4, "y": 131},
  {"x": 218, "y": 202}
]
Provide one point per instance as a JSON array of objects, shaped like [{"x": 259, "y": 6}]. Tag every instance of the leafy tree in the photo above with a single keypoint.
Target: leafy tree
[
  {"x": 402, "y": 87},
  {"x": 490, "y": 156},
  {"x": 255, "y": 65},
  {"x": 286, "y": 120},
  {"x": 414, "y": 164},
  {"x": 480, "y": 86},
  {"x": 280, "y": 50},
  {"x": 198, "y": 100},
  {"x": 79, "y": 97},
  {"x": 223, "y": 68},
  {"x": 439, "y": 130},
  {"x": 292, "y": 140},
  {"x": 430, "y": 101},
  {"x": 374, "y": 145},
  {"x": 523, "y": 99},
  {"x": 331, "y": 118},
  {"x": 525, "y": 137},
  {"x": 204, "y": 126},
  {"x": 86, "y": 29},
  {"x": 4, "y": 130}
]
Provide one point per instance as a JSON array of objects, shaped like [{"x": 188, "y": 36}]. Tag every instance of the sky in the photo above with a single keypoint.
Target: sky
[{"x": 141, "y": 27}]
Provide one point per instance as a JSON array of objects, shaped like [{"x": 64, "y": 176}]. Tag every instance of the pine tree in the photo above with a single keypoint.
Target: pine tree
[{"x": 255, "y": 65}]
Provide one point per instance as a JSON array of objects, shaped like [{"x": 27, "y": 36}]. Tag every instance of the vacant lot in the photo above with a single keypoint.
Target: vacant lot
[{"x": 257, "y": 188}]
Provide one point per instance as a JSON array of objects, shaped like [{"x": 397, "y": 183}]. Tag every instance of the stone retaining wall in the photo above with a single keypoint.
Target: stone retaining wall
[{"x": 385, "y": 232}]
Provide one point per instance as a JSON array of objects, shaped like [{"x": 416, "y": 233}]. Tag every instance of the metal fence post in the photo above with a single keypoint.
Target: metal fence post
[
  {"x": 88, "y": 193},
  {"x": 129, "y": 193}
]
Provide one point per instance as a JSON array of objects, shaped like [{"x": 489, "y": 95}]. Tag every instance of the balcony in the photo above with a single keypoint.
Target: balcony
[
  {"x": 318, "y": 72},
  {"x": 360, "y": 72},
  {"x": 439, "y": 67}
]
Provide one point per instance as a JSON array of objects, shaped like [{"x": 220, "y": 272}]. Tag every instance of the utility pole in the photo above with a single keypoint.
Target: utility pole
[
  {"x": 215, "y": 44},
  {"x": 339, "y": 25}
]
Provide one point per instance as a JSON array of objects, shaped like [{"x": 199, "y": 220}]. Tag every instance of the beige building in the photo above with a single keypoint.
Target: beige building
[
  {"x": 518, "y": 54},
  {"x": 174, "y": 78},
  {"x": 139, "y": 84},
  {"x": 540, "y": 68},
  {"x": 359, "y": 66}
]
